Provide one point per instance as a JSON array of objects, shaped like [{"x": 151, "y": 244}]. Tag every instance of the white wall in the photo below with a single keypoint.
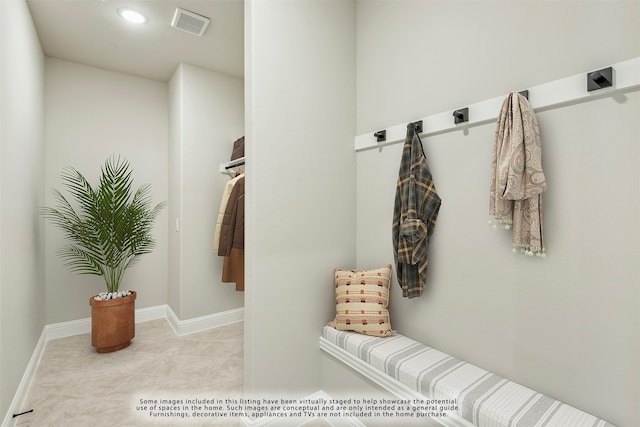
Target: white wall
[
  {"x": 417, "y": 58},
  {"x": 300, "y": 185},
  {"x": 90, "y": 115},
  {"x": 569, "y": 325},
  {"x": 21, "y": 193},
  {"x": 207, "y": 115}
]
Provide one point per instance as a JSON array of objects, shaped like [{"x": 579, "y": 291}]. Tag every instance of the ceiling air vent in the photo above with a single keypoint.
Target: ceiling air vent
[{"x": 189, "y": 22}]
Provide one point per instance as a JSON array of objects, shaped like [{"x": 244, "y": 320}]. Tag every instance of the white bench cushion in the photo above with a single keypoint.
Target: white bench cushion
[{"x": 484, "y": 399}]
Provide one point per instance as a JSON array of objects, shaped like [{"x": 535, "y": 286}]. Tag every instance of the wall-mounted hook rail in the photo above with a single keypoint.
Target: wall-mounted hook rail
[
  {"x": 381, "y": 135},
  {"x": 600, "y": 79},
  {"x": 461, "y": 115},
  {"x": 554, "y": 94}
]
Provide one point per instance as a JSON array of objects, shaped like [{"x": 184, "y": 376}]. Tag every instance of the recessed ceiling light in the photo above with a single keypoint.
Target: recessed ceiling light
[{"x": 132, "y": 15}]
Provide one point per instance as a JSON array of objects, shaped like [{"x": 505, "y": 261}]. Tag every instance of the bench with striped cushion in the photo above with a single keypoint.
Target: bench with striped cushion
[{"x": 483, "y": 398}]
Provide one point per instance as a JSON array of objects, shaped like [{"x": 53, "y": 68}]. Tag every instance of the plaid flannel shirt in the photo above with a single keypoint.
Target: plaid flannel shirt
[{"x": 414, "y": 216}]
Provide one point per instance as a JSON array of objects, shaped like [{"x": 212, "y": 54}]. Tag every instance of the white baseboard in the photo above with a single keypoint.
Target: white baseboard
[
  {"x": 181, "y": 327},
  {"x": 83, "y": 326},
  {"x": 198, "y": 324},
  {"x": 25, "y": 382},
  {"x": 152, "y": 313},
  {"x": 67, "y": 329}
]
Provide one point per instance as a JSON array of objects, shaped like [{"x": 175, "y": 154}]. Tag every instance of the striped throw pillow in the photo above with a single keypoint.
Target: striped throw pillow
[{"x": 362, "y": 298}]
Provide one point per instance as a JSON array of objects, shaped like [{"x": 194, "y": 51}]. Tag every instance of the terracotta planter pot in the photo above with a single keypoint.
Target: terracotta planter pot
[{"x": 113, "y": 323}]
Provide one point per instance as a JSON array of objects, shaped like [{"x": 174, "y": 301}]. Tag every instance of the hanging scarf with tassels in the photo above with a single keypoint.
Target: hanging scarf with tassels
[{"x": 517, "y": 180}]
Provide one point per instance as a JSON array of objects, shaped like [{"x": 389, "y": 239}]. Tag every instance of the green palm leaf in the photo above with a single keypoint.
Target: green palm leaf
[{"x": 110, "y": 228}]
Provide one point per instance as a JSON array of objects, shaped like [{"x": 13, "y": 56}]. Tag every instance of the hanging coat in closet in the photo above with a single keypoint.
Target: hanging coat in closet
[
  {"x": 231, "y": 244},
  {"x": 414, "y": 216},
  {"x": 223, "y": 206}
]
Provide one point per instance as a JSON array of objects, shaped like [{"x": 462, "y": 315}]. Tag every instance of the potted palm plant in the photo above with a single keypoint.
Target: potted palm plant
[{"x": 107, "y": 229}]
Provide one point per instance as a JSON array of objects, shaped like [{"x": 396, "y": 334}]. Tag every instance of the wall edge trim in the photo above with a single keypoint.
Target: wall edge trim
[{"x": 198, "y": 324}]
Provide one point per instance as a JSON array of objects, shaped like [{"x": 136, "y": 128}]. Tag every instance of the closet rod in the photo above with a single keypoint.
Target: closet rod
[
  {"x": 232, "y": 164},
  {"x": 226, "y": 168},
  {"x": 557, "y": 93}
]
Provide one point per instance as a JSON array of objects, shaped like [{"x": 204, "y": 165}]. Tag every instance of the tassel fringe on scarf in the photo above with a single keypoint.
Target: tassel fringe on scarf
[{"x": 517, "y": 180}]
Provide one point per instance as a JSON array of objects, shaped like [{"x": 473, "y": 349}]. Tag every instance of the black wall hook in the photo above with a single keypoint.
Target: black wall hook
[
  {"x": 461, "y": 115},
  {"x": 600, "y": 79},
  {"x": 417, "y": 126},
  {"x": 524, "y": 93},
  {"x": 381, "y": 135}
]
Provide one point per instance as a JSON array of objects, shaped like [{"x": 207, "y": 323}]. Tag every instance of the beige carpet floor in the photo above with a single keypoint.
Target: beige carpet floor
[{"x": 76, "y": 387}]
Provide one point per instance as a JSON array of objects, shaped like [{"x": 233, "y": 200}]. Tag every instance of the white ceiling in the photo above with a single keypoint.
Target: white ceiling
[{"x": 91, "y": 32}]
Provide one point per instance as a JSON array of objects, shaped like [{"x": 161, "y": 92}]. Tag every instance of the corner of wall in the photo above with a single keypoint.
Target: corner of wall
[
  {"x": 300, "y": 184},
  {"x": 175, "y": 101}
]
